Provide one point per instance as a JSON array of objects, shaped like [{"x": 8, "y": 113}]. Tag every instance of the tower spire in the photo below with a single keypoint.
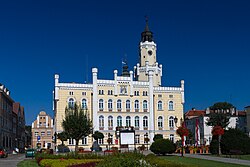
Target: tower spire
[{"x": 146, "y": 35}]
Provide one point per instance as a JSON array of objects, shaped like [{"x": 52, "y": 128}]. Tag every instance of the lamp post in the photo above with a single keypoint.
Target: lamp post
[{"x": 175, "y": 120}]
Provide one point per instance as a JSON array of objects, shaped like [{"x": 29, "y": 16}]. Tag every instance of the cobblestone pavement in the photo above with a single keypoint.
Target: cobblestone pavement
[{"x": 11, "y": 160}]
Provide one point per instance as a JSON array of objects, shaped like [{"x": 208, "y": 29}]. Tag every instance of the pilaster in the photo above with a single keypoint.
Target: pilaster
[
  {"x": 95, "y": 102},
  {"x": 151, "y": 106}
]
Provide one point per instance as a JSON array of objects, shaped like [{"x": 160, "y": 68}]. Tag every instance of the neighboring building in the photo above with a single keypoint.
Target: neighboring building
[
  {"x": 197, "y": 119},
  {"x": 42, "y": 131},
  {"x": 134, "y": 99},
  {"x": 248, "y": 119},
  {"x": 12, "y": 122},
  {"x": 7, "y": 136},
  {"x": 19, "y": 126}
]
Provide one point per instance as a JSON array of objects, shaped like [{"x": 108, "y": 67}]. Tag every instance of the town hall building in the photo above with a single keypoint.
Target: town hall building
[{"x": 134, "y": 99}]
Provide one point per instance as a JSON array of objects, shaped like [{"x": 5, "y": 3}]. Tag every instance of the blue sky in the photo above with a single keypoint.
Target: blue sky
[{"x": 206, "y": 43}]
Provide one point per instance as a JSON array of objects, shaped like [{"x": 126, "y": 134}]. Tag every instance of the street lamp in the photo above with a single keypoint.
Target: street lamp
[{"x": 175, "y": 120}]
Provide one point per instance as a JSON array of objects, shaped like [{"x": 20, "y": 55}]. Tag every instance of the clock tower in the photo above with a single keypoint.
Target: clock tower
[{"x": 147, "y": 58}]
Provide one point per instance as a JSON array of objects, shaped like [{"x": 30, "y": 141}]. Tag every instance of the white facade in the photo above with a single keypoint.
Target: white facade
[{"x": 136, "y": 100}]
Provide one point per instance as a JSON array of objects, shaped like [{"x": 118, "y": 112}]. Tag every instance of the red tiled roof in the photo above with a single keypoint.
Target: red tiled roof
[
  {"x": 195, "y": 113},
  {"x": 242, "y": 113}
]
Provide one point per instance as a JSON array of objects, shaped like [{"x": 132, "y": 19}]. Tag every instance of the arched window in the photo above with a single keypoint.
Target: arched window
[
  {"x": 71, "y": 103},
  {"x": 128, "y": 121},
  {"x": 84, "y": 104},
  {"x": 171, "y": 122},
  {"x": 145, "y": 105},
  {"x": 110, "y": 104},
  {"x": 101, "y": 104},
  {"x": 119, "y": 121},
  {"x": 160, "y": 122},
  {"x": 159, "y": 105},
  {"x": 137, "y": 122},
  {"x": 171, "y": 105},
  {"x": 119, "y": 104},
  {"x": 136, "y": 104},
  {"x": 145, "y": 121},
  {"x": 128, "y": 105},
  {"x": 101, "y": 121},
  {"x": 110, "y": 121}
]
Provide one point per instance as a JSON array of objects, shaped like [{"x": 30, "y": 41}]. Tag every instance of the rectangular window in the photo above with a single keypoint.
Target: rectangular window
[
  {"x": 71, "y": 141},
  {"x": 71, "y": 93},
  {"x": 101, "y": 92},
  {"x": 48, "y": 133},
  {"x": 146, "y": 139},
  {"x": 137, "y": 139},
  {"x": 36, "y": 133},
  {"x": 84, "y": 93},
  {"x": 159, "y": 95},
  {"x": 171, "y": 96},
  {"x": 100, "y": 141},
  {"x": 42, "y": 133},
  {"x": 84, "y": 141},
  {"x": 171, "y": 137},
  {"x": 110, "y": 92}
]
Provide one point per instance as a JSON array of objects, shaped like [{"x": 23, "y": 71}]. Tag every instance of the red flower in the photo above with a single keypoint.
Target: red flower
[
  {"x": 182, "y": 131},
  {"x": 217, "y": 130}
]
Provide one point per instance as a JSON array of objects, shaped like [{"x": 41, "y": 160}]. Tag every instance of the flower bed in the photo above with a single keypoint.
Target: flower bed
[{"x": 66, "y": 162}]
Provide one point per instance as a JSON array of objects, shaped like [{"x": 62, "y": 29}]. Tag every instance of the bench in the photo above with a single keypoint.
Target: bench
[{"x": 234, "y": 152}]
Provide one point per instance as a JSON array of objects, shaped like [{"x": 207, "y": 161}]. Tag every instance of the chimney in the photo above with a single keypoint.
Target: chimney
[{"x": 208, "y": 111}]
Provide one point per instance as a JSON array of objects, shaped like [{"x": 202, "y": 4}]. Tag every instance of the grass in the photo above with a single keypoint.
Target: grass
[
  {"x": 28, "y": 163},
  {"x": 199, "y": 162},
  {"x": 244, "y": 157}
]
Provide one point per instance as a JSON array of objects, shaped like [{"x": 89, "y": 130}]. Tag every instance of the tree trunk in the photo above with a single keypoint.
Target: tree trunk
[
  {"x": 76, "y": 147},
  {"x": 219, "y": 145}
]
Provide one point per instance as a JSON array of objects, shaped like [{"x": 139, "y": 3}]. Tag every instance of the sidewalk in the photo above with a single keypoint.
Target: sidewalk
[{"x": 219, "y": 159}]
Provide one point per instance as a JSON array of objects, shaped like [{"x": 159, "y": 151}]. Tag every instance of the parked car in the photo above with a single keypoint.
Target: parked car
[
  {"x": 63, "y": 149},
  {"x": 30, "y": 152},
  {"x": 3, "y": 153}
]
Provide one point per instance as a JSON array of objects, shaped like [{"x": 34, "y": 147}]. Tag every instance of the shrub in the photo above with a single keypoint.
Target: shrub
[
  {"x": 162, "y": 146},
  {"x": 124, "y": 159},
  {"x": 158, "y": 136},
  {"x": 234, "y": 139}
]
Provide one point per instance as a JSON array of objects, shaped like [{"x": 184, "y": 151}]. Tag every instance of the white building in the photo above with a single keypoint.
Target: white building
[{"x": 237, "y": 120}]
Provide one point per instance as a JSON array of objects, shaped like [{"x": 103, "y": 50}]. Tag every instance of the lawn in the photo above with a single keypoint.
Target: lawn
[
  {"x": 27, "y": 163},
  {"x": 244, "y": 157},
  {"x": 199, "y": 162}
]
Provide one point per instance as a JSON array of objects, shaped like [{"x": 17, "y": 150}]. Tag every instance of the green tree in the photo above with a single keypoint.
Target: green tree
[
  {"x": 219, "y": 116},
  {"x": 77, "y": 123},
  {"x": 63, "y": 136},
  {"x": 158, "y": 136},
  {"x": 162, "y": 146},
  {"x": 98, "y": 135},
  {"x": 222, "y": 106}
]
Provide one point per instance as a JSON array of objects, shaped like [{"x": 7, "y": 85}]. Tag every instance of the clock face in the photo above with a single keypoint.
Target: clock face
[{"x": 150, "y": 52}]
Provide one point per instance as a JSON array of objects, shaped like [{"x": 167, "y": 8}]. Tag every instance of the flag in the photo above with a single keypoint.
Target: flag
[
  {"x": 197, "y": 133},
  {"x": 184, "y": 138}
]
